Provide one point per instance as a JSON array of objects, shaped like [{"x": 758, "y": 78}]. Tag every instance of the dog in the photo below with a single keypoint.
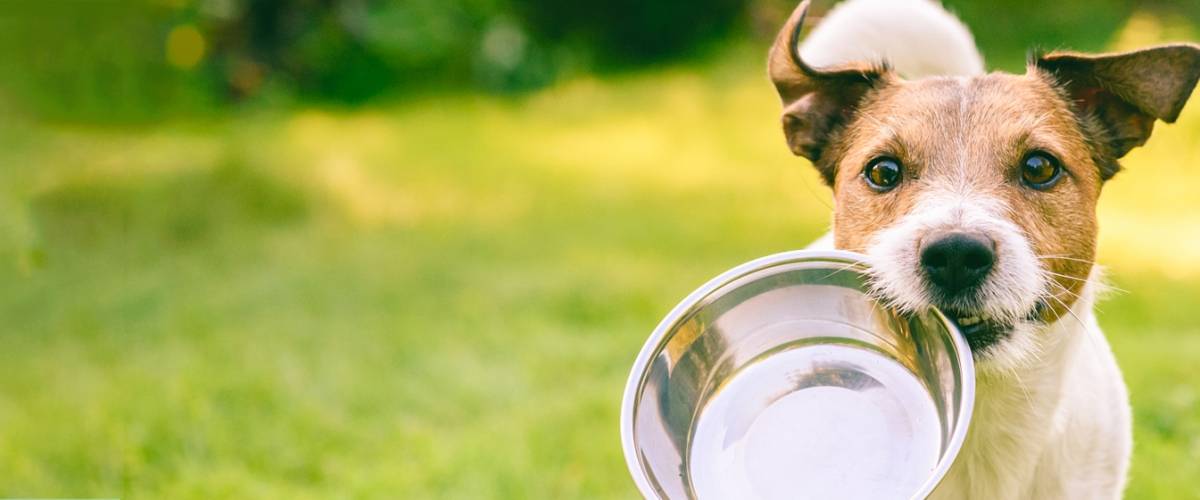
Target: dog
[{"x": 976, "y": 193}]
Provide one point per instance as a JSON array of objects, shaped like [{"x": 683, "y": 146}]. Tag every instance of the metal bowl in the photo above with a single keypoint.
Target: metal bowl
[{"x": 782, "y": 379}]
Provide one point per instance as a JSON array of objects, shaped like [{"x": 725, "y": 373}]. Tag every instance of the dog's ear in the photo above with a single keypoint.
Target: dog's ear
[
  {"x": 815, "y": 102},
  {"x": 1126, "y": 92}
]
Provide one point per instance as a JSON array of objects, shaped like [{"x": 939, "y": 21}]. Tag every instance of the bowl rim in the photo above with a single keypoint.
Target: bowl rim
[{"x": 854, "y": 260}]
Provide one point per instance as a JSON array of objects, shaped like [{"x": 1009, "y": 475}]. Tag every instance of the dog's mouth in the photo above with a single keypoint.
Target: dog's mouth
[{"x": 983, "y": 332}]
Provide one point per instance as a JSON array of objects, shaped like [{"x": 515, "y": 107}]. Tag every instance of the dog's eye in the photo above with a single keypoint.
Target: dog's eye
[
  {"x": 882, "y": 174},
  {"x": 1040, "y": 170}
]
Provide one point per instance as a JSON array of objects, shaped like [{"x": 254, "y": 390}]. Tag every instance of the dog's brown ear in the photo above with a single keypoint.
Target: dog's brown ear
[
  {"x": 815, "y": 102},
  {"x": 1126, "y": 92}
]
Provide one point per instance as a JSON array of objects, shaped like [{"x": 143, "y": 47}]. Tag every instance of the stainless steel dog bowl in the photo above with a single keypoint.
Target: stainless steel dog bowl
[{"x": 782, "y": 379}]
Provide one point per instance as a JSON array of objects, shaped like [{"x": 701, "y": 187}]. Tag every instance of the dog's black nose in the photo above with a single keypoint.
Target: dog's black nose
[{"x": 956, "y": 262}]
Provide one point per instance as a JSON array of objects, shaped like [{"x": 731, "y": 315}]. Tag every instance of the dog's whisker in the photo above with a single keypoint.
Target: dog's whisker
[
  {"x": 1065, "y": 257},
  {"x": 1086, "y": 331},
  {"x": 1067, "y": 276},
  {"x": 1064, "y": 289},
  {"x": 1068, "y": 310},
  {"x": 1104, "y": 285},
  {"x": 841, "y": 269}
]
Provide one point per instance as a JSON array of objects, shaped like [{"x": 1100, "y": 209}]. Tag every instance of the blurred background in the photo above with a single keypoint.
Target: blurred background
[{"x": 358, "y": 248}]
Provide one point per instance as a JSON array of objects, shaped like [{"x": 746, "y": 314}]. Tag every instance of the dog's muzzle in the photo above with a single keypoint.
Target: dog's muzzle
[{"x": 956, "y": 264}]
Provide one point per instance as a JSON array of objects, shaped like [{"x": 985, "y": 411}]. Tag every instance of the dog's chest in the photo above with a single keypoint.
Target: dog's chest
[{"x": 1010, "y": 431}]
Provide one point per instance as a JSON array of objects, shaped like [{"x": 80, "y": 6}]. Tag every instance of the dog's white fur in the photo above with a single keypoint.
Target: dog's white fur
[{"x": 1052, "y": 417}]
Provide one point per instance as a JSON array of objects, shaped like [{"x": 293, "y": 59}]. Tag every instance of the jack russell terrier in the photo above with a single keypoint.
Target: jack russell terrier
[{"x": 976, "y": 193}]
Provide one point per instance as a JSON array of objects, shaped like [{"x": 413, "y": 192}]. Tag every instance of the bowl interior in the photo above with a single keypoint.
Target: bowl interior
[{"x": 782, "y": 378}]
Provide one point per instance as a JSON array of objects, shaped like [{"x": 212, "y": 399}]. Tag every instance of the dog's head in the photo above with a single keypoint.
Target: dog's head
[{"x": 977, "y": 194}]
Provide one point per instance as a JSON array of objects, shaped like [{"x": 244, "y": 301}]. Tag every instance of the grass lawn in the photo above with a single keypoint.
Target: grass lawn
[{"x": 442, "y": 298}]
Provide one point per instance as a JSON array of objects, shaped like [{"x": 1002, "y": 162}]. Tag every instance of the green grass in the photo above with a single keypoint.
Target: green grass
[{"x": 442, "y": 298}]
